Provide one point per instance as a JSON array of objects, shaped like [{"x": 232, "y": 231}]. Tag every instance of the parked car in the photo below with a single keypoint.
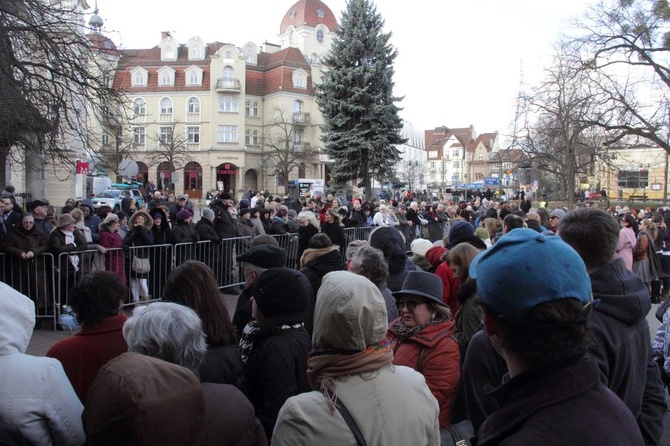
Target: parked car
[{"x": 113, "y": 197}]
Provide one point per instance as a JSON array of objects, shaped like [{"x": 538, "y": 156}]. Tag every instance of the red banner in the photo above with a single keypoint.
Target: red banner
[{"x": 82, "y": 168}]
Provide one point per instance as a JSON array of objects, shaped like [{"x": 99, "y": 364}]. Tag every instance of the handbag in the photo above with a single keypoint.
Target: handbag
[
  {"x": 140, "y": 265},
  {"x": 458, "y": 434}
]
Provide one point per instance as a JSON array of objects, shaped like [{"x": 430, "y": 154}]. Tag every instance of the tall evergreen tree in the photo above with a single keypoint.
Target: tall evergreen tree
[{"x": 356, "y": 99}]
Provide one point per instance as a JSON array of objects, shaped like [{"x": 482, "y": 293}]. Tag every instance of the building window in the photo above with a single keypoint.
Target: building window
[
  {"x": 456, "y": 153},
  {"x": 320, "y": 13},
  {"x": 193, "y": 135},
  {"x": 254, "y": 109},
  {"x": 139, "y": 108},
  {"x": 228, "y": 104},
  {"x": 227, "y": 133},
  {"x": 247, "y": 137},
  {"x": 166, "y": 77},
  {"x": 105, "y": 138},
  {"x": 432, "y": 154},
  {"x": 139, "y": 78},
  {"x": 251, "y": 109},
  {"x": 298, "y": 136},
  {"x": 194, "y": 77},
  {"x": 195, "y": 53},
  {"x": 456, "y": 164},
  {"x": 633, "y": 179},
  {"x": 480, "y": 157},
  {"x": 168, "y": 53},
  {"x": 319, "y": 35},
  {"x": 300, "y": 81},
  {"x": 139, "y": 136},
  {"x": 432, "y": 164},
  {"x": 193, "y": 106},
  {"x": 254, "y": 138},
  {"x": 166, "y": 106},
  {"x": 228, "y": 73},
  {"x": 106, "y": 79},
  {"x": 165, "y": 135}
]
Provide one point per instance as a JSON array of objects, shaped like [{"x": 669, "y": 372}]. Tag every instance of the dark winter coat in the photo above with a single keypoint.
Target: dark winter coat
[
  {"x": 139, "y": 236},
  {"x": 245, "y": 228},
  {"x": 224, "y": 224},
  {"x": 278, "y": 226},
  {"x": 223, "y": 365},
  {"x": 305, "y": 234},
  {"x": 319, "y": 262},
  {"x": 92, "y": 221},
  {"x": 622, "y": 345},
  {"x": 57, "y": 246},
  {"x": 336, "y": 234},
  {"x": 468, "y": 318},
  {"x": 275, "y": 371},
  {"x": 555, "y": 405},
  {"x": 162, "y": 234},
  {"x": 183, "y": 232}
]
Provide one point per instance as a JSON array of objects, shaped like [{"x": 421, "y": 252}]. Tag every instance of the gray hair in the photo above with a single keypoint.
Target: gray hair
[
  {"x": 310, "y": 217},
  {"x": 167, "y": 331},
  {"x": 370, "y": 262}
]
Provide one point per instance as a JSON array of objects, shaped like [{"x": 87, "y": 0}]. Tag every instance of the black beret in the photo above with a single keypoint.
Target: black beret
[
  {"x": 264, "y": 256},
  {"x": 35, "y": 203}
]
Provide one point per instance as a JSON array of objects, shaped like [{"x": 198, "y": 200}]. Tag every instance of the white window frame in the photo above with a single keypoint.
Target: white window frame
[
  {"x": 456, "y": 153},
  {"x": 456, "y": 164},
  {"x": 139, "y": 135},
  {"x": 139, "y": 77},
  {"x": 193, "y": 76},
  {"x": 227, "y": 134},
  {"x": 193, "y": 106},
  {"x": 193, "y": 135},
  {"x": 228, "y": 104},
  {"x": 166, "y": 77},
  {"x": 165, "y": 134},
  {"x": 105, "y": 138},
  {"x": 139, "y": 108}
]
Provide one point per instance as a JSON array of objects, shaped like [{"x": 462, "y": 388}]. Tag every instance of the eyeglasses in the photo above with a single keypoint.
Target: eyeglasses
[{"x": 410, "y": 304}]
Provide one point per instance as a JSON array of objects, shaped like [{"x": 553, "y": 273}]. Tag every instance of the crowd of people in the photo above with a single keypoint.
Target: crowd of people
[{"x": 394, "y": 339}]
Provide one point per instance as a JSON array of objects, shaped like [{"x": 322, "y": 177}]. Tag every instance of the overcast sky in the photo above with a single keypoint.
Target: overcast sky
[{"x": 459, "y": 62}]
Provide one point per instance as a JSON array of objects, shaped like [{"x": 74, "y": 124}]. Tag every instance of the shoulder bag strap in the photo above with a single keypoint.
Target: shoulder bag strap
[{"x": 347, "y": 417}]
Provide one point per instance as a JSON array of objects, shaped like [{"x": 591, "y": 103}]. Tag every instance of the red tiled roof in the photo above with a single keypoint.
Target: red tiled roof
[
  {"x": 274, "y": 72},
  {"x": 304, "y": 12}
]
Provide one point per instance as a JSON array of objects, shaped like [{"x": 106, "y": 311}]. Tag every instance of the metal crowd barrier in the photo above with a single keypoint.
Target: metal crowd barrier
[
  {"x": 48, "y": 279},
  {"x": 34, "y": 278},
  {"x": 289, "y": 242}
]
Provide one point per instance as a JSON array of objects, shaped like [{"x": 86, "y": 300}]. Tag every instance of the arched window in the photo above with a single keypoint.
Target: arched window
[
  {"x": 193, "y": 105},
  {"x": 319, "y": 35},
  {"x": 228, "y": 73},
  {"x": 165, "y": 112},
  {"x": 254, "y": 110},
  {"x": 139, "y": 108}
]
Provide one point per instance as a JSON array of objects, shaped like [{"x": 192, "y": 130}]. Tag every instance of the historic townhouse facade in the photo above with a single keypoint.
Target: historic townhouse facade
[{"x": 221, "y": 110}]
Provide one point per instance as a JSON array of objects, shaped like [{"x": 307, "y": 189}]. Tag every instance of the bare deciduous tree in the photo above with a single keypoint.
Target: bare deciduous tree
[
  {"x": 284, "y": 146},
  {"x": 52, "y": 79}
]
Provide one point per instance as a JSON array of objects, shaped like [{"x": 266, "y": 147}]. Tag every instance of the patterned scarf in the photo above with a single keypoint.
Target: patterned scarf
[
  {"x": 323, "y": 366},
  {"x": 253, "y": 331},
  {"x": 403, "y": 333}
]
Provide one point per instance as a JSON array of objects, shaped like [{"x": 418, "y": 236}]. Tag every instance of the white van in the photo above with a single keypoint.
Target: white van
[{"x": 97, "y": 184}]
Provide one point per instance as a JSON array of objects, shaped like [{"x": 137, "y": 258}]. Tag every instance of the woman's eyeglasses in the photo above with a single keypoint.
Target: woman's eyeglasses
[{"x": 410, "y": 304}]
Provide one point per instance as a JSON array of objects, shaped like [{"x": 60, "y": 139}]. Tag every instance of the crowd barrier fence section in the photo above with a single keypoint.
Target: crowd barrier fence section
[{"x": 48, "y": 279}]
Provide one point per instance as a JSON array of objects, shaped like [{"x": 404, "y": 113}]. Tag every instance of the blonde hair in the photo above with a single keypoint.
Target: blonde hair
[
  {"x": 310, "y": 217},
  {"x": 77, "y": 214}
]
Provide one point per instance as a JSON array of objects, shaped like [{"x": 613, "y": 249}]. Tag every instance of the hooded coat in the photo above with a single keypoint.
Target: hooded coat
[
  {"x": 391, "y": 405},
  {"x": 91, "y": 221},
  {"x": 622, "y": 345},
  {"x": 316, "y": 263},
  {"x": 139, "y": 236},
  {"x": 35, "y": 394}
]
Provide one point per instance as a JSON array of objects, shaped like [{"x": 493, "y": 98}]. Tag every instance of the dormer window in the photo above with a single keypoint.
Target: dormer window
[
  {"x": 320, "y": 13},
  {"x": 196, "y": 48},
  {"x": 166, "y": 76},
  {"x": 169, "y": 53},
  {"x": 139, "y": 77},
  {"x": 292, "y": 14},
  {"x": 194, "y": 76},
  {"x": 299, "y": 79}
]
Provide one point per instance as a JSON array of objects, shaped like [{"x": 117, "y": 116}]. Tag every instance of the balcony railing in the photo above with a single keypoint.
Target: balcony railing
[
  {"x": 302, "y": 147},
  {"x": 302, "y": 118},
  {"x": 228, "y": 85}
]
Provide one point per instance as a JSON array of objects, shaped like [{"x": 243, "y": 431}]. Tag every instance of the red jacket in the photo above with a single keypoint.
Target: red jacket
[
  {"x": 83, "y": 354},
  {"x": 441, "y": 361},
  {"x": 450, "y": 285}
]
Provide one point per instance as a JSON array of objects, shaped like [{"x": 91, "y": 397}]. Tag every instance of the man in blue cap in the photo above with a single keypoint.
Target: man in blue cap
[{"x": 538, "y": 324}]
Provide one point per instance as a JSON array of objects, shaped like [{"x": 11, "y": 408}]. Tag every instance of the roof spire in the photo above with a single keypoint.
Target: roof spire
[{"x": 96, "y": 21}]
